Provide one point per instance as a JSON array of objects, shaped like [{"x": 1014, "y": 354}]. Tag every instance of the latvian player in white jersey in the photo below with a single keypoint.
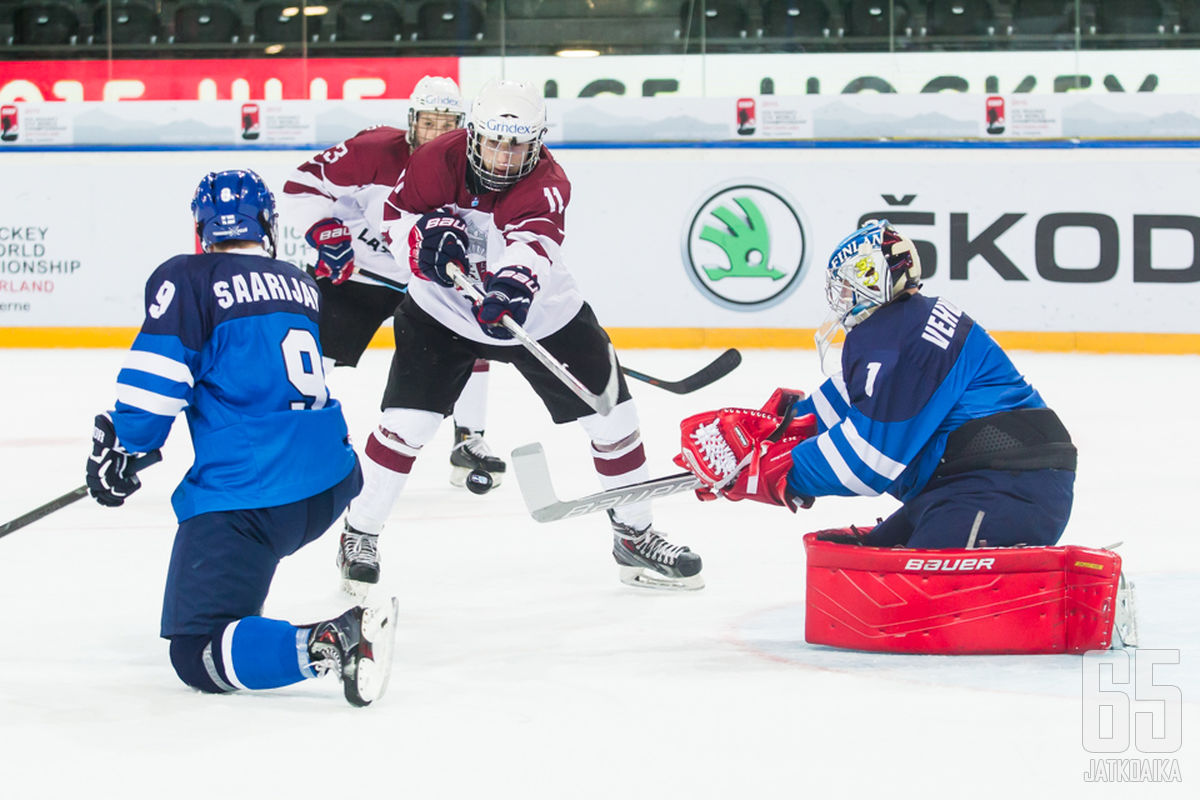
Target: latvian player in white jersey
[
  {"x": 337, "y": 196},
  {"x": 492, "y": 199}
]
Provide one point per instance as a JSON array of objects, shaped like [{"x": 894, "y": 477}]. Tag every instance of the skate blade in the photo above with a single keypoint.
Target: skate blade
[
  {"x": 1125, "y": 633},
  {"x": 458, "y": 477},
  {"x": 371, "y": 675},
  {"x": 648, "y": 579}
]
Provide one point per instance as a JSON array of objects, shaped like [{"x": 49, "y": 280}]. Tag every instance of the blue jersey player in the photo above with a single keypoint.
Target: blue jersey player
[
  {"x": 922, "y": 404},
  {"x": 230, "y": 338}
]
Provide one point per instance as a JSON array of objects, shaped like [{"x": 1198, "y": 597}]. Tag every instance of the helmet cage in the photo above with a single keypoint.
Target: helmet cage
[
  {"x": 505, "y": 116},
  {"x": 436, "y": 94},
  {"x": 234, "y": 205}
]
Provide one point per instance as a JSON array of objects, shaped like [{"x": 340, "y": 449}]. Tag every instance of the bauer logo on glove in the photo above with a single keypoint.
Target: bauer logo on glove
[
  {"x": 335, "y": 249},
  {"x": 437, "y": 240}
]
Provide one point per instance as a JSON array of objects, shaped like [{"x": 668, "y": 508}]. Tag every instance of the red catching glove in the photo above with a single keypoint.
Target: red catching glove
[
  {"x": 743, "y": 454},
  {"x": 781, "y": 400},
  {"x": 335, "y": 249}
]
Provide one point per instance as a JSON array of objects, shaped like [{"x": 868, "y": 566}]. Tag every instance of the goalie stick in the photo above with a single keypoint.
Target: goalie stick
[
  {"x": 719, "y": 368},
  {"x": 533, "y": 476},
  {"x": 139, "y": 464}
]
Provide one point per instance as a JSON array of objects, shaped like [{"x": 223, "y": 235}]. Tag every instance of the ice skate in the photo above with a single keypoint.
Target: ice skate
[
  {"x": 358, "y": 559},
  {"x": 1125, "y": 619},
  {"x": 357, "y": 646},
  {"x": 650, "y": 561},
  {"x": 471, "y": 452}
]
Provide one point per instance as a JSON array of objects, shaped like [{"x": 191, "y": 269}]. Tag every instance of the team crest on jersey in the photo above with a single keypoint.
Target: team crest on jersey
[{"x": 745, "y": 247}]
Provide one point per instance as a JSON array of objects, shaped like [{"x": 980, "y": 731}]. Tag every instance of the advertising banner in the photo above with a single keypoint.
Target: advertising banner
[
  {"x": 1094, "y": 72},
  {"x": 219, "y": 79},
  {"x": 1027, "y": 240}
]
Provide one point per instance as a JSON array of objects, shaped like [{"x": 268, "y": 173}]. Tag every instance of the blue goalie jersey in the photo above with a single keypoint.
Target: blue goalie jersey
[
  {"x": 231, "y": 340},
  {"x": 912, "y": 372}
]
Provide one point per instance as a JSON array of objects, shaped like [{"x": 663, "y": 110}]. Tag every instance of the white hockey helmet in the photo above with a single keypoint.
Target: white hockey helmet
[
  {"x": 437, "y": 95},
  {"x": 505, "y": 130}
]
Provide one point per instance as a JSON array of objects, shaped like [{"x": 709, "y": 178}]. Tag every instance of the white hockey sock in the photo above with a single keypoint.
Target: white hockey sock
[
  {"x": 388, "y": 459},
  {"x": 619, "y": 458},
  {"x": 470, "y": 410}
]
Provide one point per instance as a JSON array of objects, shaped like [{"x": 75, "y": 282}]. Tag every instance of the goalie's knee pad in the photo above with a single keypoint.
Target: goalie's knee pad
[{"x": 986, "y": 600}]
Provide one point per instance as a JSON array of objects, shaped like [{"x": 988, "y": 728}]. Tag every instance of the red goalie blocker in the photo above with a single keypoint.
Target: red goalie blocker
[{"x": 959, "y": 602}]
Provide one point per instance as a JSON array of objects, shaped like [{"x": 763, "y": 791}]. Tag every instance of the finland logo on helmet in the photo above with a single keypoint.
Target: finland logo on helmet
[
  {"x": 234, "y": 205},
  {"x": 869, "y": 269},
  {"x": 434, "y": 95},
  {"x": 505, "y": 130}
]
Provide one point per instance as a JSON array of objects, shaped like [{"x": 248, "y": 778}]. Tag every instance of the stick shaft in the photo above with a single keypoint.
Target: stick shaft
[
  {"x": 601, "y": 403},
  {"x": 153, "y": 457}
]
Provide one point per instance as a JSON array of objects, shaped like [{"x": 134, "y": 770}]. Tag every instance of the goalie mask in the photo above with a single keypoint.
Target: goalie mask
[
  {"x": 504, "y": 141},
  {"x": 436, "y": 106},
  {"x": 868, "y": 269},
  {"x": 234, "y": 205}
]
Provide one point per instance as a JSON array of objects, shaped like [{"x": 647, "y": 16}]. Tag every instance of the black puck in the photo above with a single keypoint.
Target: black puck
[{"x": 479, "y": 481}]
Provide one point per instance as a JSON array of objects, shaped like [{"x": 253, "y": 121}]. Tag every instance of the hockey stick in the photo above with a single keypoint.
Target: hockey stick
[
  {"x": 533, "y": 476},
  {"x": 719, "y": 368},
  {"x": 385, "y": 280},
  {"x": 139, "y": 464},
  {"x": 602, "y": 403}
]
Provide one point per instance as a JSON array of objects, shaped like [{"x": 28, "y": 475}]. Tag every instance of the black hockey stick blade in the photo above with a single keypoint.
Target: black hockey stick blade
[
  {"x": 719, "y": 368},
  {"x": 153, "y": 457},
  {"x": 533, "y": 476}
]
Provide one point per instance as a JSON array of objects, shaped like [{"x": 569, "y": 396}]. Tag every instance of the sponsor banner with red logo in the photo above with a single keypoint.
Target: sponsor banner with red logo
[{"x": 219, "y": 79}]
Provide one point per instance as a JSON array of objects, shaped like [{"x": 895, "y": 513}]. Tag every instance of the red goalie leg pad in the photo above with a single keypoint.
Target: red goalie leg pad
[{"x": 957, "y": 602}]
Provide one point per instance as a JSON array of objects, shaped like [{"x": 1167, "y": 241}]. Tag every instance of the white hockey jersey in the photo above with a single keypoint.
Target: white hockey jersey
[
  {"x": 351, "y": 181},
  {"x": 521, "y": 226}
]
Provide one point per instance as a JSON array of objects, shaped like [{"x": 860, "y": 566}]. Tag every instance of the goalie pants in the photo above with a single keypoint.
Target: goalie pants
[
  {"x": 1019, "y": 508},
  {"x": 432, "y": 363}
]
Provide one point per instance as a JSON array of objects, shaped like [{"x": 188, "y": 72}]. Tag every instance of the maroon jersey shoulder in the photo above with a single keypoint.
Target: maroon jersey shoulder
[
  {"x": 435, "y": 176},
  {"x": 375, "y": 156},
  {"x": 543, "y": 194}
]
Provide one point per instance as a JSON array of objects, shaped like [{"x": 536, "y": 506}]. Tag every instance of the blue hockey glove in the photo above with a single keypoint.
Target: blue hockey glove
[
  {"x": 507, "y": 293},
  {"x": 335, "y": 249},
  {"x": 439, "y": 238},
  {"x": 110, "y": 474}
]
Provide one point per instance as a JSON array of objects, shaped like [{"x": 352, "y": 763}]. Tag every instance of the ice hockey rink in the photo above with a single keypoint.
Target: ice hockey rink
[{"x": 523, "y": 668}]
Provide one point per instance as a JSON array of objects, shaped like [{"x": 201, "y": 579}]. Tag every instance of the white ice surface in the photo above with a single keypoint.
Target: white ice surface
[{"x": 523, "y": 667}]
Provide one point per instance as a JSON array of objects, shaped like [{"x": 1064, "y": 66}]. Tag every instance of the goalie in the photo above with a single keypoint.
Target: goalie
[{"x": 922, "y": 404}]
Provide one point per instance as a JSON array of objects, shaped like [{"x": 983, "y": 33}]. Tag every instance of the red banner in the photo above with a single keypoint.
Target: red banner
[{"x": 219, "y": 79}]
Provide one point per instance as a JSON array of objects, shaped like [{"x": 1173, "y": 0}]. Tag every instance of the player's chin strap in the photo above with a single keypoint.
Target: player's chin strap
[{"x": 601, "y": 403}]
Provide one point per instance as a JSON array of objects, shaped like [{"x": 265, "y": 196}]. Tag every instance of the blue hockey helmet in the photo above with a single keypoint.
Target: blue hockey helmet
[
  {"x": 868, "y": 269},
  {"x": 234, "y": 205}
]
